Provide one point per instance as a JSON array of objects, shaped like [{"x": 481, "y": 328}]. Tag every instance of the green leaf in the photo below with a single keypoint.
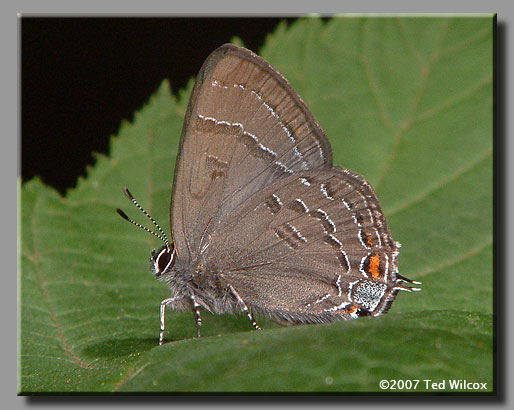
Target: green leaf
[
  {"x": 338, "y": 357},
  {"x": 406, "y": 102}
]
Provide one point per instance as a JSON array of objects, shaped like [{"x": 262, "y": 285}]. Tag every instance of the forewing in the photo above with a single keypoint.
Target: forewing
[
  {"x": 297, "y": 248},
  {"x": 245, "y": 128}
]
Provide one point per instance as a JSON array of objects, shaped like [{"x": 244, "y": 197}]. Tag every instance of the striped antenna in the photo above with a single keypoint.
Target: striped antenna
[{"x": 163, "y": 238}]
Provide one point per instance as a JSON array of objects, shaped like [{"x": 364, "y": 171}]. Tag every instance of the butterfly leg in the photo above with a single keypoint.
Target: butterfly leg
[
  {"x": 164, "y": 303},
  {"x": 196, "y": 308},
  {"x": 244, "y": 308}
]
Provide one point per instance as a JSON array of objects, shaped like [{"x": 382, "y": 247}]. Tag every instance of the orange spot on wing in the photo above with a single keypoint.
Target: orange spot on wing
[
  {"x": 374, "y": 265},
  {"x": 369, "y": 239},
  {"x": 352, "y": 309}
]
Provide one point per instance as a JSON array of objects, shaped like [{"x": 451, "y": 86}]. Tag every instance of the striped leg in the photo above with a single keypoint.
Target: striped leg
[
  {"x": 244, "y": 308},
  {"x": 165, "y": 303},
  {"x": 196, "y": 309}
]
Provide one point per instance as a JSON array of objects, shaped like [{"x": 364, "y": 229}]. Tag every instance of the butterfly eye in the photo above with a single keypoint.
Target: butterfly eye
[{"x": 162, "y": 260}]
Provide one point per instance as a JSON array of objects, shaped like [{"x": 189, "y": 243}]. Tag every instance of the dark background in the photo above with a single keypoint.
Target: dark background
[{"x": 80, "y": 77}]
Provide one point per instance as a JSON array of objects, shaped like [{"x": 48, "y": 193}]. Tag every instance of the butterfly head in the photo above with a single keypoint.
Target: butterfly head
[{"x": 162, "y": 261}]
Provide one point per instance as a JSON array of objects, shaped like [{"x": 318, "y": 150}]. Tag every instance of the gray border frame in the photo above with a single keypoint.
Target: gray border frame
[{"x": 10, "y": 86}]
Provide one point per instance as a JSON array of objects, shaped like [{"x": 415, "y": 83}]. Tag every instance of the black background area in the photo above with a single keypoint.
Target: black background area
[{"x": 80, "y": 77}]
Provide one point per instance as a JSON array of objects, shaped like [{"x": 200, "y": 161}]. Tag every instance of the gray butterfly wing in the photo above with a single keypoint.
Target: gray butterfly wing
[
  {"x": 312, "y": 247},
  {"x": 245, "y": 129}
]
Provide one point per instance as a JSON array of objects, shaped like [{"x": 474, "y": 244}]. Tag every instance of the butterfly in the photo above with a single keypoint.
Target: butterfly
[{"x": 262, "y": 222}]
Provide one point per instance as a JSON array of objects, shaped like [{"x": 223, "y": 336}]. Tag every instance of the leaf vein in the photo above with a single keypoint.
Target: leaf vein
[
  {"x": 440, "y": 184},
  {"x": 407, "y": 123},
  {"x": 44, "y": 292},
  {"x": 474, "y": 251}
]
